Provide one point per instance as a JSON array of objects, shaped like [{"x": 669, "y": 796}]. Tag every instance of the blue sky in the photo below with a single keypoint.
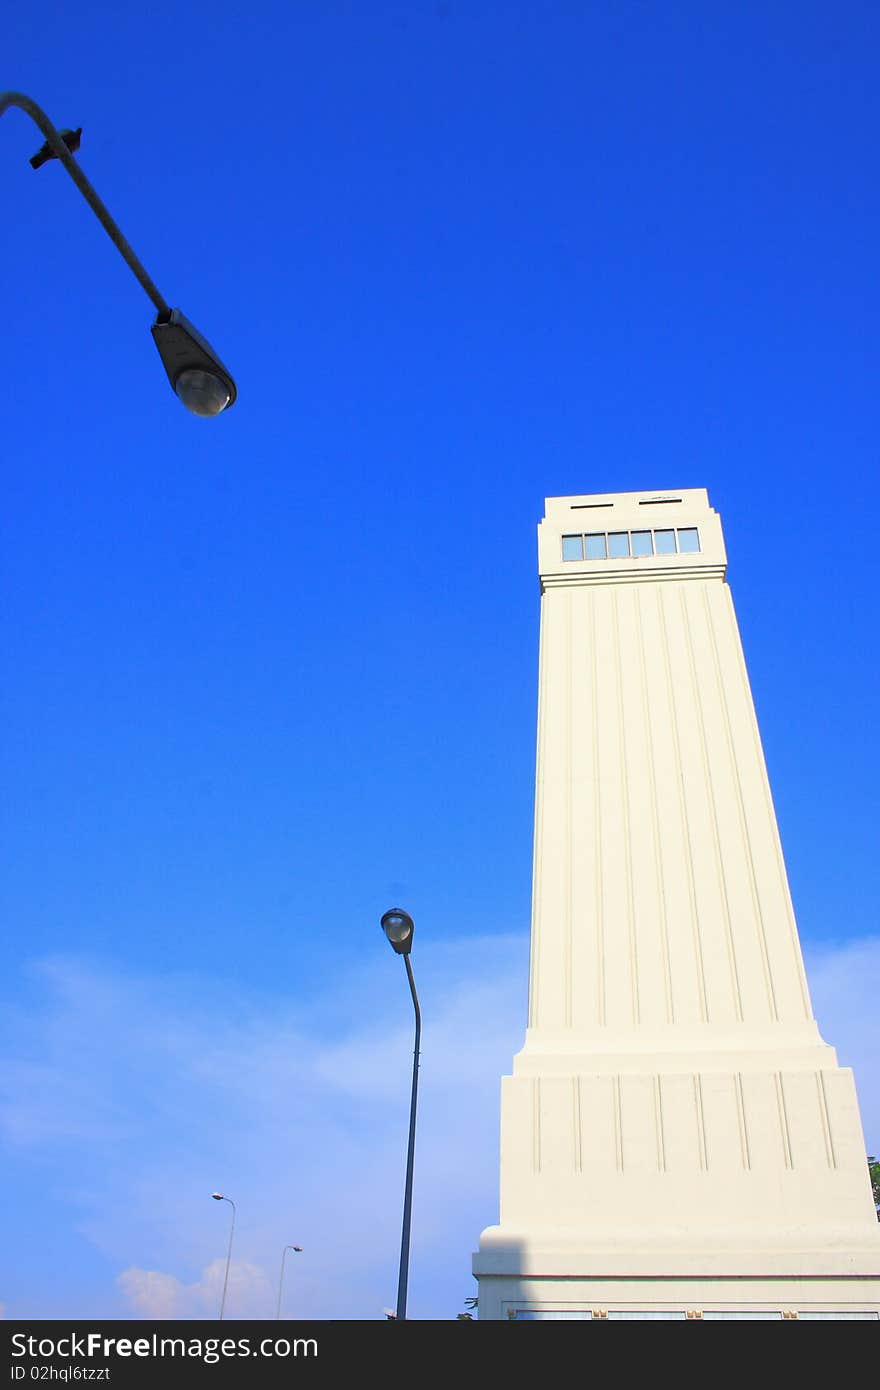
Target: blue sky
[{"x": 269, "y": 674}]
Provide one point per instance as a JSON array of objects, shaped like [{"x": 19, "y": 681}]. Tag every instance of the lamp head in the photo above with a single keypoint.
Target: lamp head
[
  {"x": 218, "y": 1196},
  {"x": 193, "y": 367},
  {"x": 398, "y": 926}
]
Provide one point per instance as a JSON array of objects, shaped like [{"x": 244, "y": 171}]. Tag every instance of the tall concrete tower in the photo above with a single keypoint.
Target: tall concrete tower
[{"x": 676, "y": 1138}]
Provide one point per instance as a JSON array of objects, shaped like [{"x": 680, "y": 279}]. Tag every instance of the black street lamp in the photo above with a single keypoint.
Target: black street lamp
[
  {"x": 398, "y": 926},
  {"x": 194, "y": 369},
  {"x": 219, "y": 1197},
  {"x": 298, "y": 1249}
]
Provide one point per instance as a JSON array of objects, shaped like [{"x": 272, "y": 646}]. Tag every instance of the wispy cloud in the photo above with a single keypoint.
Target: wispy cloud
[
  {"x": 843, "y": 980},
  {"x": 155, "y": 1092},
  {"x": 155, "y": 1295}
]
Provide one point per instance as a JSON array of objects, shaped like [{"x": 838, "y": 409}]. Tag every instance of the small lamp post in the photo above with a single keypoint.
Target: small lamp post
[
  {"x": 195, "y": 371},
  {"x": 298, "y": 1249},
  {"x": 218, "y": 1197},
  {"x": 398, "y": 926}
]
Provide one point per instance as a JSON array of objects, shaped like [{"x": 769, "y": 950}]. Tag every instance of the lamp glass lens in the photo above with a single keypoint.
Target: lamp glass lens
[
  {"x": 202, "y": 392},
  {"x": 397, "y": 928}
]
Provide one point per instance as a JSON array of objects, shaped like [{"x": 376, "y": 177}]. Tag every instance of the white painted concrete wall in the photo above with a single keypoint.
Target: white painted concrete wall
[{"x": 674, "y": 1111}]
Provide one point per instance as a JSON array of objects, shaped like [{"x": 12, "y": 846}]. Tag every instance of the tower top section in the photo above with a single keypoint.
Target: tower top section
[{"x": 619, "y": 537}]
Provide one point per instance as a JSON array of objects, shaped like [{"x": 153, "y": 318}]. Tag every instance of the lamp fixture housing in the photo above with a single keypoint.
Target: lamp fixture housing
[
  {"x": 398, "y": 926},
  {"x": 195, "y": 371}
]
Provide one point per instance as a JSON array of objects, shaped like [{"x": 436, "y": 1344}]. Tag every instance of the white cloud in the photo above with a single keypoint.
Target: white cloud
[
  {"x": 843, "y": 980},
  {"x": 154, "y": 1093},
  {"x": 153, "y": 1294}
]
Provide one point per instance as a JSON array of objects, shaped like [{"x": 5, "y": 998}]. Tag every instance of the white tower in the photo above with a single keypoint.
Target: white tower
[{"x": 676, "y": 1138}]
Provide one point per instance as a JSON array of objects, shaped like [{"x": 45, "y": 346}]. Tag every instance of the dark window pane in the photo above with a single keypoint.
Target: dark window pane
[
  {"x": 641, "y": 542},
  {"x": 664, "y": 542},
  {"x": 689, "y": 540},
  {"x": 618, "y": 545},
  {"x": 572, "y": 547},
  {"x": 596, "y": 547}
]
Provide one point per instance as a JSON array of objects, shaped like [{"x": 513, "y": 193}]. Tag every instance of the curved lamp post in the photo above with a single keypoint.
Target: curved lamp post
[
  {"x": 193, "y": 367},
  {"x": 218, "y": 1197},
  {"x": 298, "y": 1249},
  {"x": 398, "y": 926}
]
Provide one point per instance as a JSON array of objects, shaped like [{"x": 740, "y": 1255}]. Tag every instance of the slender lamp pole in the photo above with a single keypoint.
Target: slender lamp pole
[
  {"x": 218, "y": 1197},
  {"x": 398, "y": 926},
  {"x": 194, "y": 369},
  {"x": 298, "y": 1249}
]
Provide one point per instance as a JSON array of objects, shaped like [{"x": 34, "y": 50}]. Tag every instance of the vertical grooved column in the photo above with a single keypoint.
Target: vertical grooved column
[{"x": 673, "y": 1106}]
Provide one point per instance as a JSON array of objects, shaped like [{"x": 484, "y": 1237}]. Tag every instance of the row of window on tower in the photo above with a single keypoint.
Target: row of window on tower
[{"x": 622, "y": 545}]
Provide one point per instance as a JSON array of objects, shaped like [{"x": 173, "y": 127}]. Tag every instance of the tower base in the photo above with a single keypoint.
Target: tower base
[{"x": 549, "y": 1275}]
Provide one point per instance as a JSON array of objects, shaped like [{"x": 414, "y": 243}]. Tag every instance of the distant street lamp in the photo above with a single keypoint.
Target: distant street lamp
[
  {"x": 193, "y": 367},
  {"x": 398, "y": 926},
  {"x": 218, "y": 1197},
  {"x": 298, "y": 1249}
]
